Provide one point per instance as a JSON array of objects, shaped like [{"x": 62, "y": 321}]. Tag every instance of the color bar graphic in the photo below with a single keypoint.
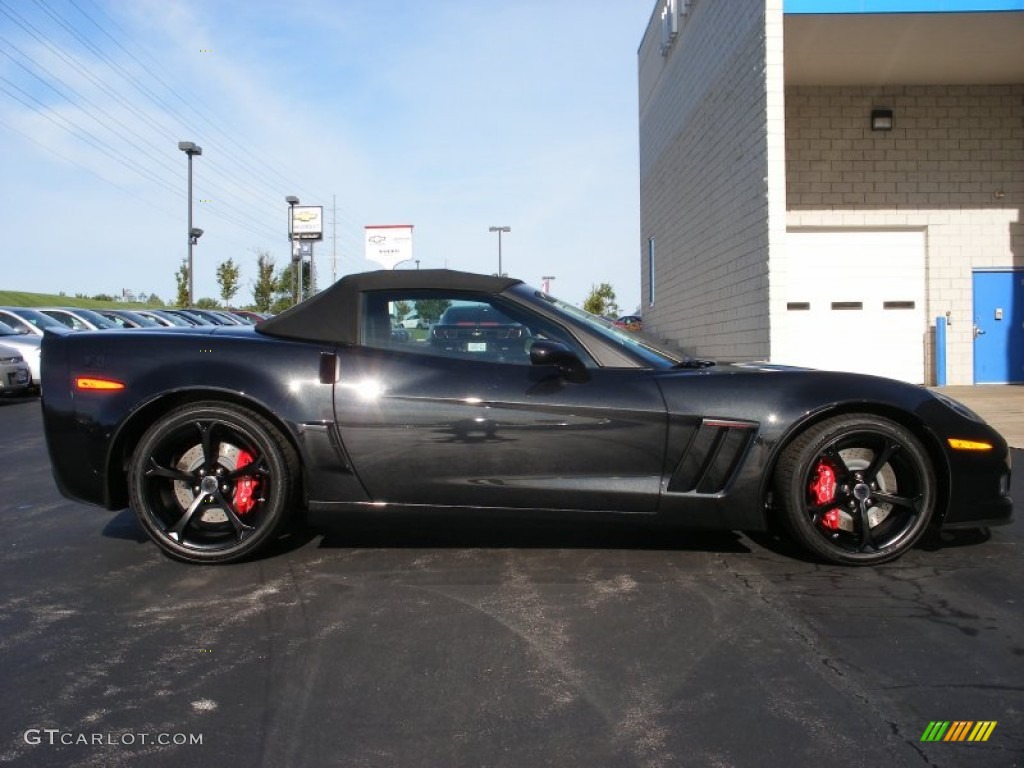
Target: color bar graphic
[{"x": 958, "y": 730}]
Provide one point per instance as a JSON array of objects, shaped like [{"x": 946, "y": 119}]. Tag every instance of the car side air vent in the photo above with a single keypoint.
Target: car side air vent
[{"x": 713, "y": 456}]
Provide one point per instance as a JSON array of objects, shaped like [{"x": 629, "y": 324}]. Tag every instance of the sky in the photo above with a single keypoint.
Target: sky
[{"x": 449, "y": 115}]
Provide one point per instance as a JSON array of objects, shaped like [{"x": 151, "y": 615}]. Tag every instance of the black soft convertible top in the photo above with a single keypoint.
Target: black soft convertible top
[{"x": 333, "y": 314}]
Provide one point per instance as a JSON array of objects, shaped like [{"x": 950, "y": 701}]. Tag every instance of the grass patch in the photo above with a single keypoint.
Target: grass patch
[{"x": 24, "y": 299}]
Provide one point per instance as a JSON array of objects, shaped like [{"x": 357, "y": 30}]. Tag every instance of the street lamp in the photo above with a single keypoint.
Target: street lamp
[
  {"x": 292, "y": 201},
  {"x": 499, "y": 230},
  {"x": 191, "y": 149}
]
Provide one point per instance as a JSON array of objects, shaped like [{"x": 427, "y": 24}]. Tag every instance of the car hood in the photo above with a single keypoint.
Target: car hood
[{"x": 22, "y": 342}]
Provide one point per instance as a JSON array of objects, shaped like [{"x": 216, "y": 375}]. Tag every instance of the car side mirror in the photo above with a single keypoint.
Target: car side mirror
[{"x": 544, "y": 352}]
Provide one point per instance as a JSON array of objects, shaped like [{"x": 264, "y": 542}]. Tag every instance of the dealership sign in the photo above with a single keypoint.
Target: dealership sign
[
  {"x": 389, "y": 244},
  {"x": 307, "y": 222}
]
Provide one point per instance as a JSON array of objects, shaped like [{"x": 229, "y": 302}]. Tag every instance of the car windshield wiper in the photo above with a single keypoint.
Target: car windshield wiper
[{"x": 694, "y": 362}]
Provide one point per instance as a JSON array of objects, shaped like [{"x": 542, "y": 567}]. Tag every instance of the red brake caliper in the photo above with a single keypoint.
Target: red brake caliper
[
  {"x": 245, "y": 486},
  {"x": 823, "y": 490}
]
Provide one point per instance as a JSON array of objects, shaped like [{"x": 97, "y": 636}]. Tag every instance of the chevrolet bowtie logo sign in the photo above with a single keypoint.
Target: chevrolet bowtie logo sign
[{"x": 306, "y": 216}]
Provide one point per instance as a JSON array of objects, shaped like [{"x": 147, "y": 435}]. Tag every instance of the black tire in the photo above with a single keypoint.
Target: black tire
[
  {"x": 875, "y": 504},
  {"x": 192, "y": 488}
]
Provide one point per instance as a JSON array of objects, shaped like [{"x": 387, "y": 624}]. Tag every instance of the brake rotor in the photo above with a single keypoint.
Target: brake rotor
[
  {"x": 191, "y": 461},
  {"x": 859, "y": 459}
]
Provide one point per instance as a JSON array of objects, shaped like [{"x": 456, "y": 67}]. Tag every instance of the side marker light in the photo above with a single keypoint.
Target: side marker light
[
  {"x": 968, "y": 445},
  {"x": 91, "y": 382}
]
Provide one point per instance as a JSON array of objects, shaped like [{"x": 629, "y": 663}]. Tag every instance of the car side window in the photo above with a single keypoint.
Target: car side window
[
  {"x": 454, "y": 325},
  {"x": 68, "y": 320},
  {"x": 15, "y": 322}
]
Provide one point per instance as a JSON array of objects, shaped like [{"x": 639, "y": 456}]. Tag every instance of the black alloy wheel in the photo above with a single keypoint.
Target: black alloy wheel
[
  {"x": 856, "y": 489},
  {"x": 212, "y": 482}
]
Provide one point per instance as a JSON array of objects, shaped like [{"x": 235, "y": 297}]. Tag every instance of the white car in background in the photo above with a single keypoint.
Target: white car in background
[
  {"x": 79, "y": 319},
  {"x": 25, "y": 344},
  {"x": 414, "y": 321},
  {"x": 28, "y": 319},
  {"x": 15, "y": 376}
]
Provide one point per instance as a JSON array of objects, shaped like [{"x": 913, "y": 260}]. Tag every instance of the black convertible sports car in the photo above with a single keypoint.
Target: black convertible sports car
[{"x": 216, "y": 436}]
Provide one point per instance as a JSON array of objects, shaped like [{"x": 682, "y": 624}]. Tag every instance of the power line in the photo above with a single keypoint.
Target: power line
[
  {"x": 246, "y": 178},
  {"x": 190, "y": 104}
]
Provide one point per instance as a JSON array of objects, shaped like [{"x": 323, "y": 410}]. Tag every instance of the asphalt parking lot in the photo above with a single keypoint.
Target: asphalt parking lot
[{"x": 441, "y": 642}]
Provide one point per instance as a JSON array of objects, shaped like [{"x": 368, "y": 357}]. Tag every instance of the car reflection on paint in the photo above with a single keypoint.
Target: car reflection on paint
[{"x": 631, "y": 323}]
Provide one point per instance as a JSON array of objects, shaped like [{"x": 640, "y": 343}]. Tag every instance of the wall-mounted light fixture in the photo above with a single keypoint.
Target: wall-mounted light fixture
[{"x": 881, "y": 119}]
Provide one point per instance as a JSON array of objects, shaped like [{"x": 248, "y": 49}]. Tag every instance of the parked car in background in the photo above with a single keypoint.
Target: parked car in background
[
  {"x": 254, "y": 317},
  {"x": 127, "y": 318},
  {"x": 211, "y": 316},
  {"x": 15, "y": 376},
  {"x": 415, "y": 321},
  {"x": 27, "y": 344},
  {"x": 206, "y": 316},
  {"x": 190, "y": 316},
  {"x": 398, "y": 333},
  {"x": 227, "y": 317},
  {"x": 79, "y": 319},
  {"x": 27, "y": 319},
  {"x": 165, "y": 318},
  {"x": 480, "y": 330}
]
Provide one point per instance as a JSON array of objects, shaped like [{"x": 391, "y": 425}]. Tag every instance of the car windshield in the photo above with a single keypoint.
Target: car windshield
[{"x": 652, "y": 353}]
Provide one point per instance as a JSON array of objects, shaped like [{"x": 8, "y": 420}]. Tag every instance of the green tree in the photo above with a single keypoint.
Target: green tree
[
  {"x": 430, "y": 310},
  {"x": 601, "y": 300},
  {"x": 284, "y": 296},
  {"x": 265, "y": 287},
  {"x": 228, "y": 275},
  {"x": 207, "y": 302},
  {"x": 402, "y": 308},
  {"x": 155, "y": 300},
  {"x": 181, "y": 279}
]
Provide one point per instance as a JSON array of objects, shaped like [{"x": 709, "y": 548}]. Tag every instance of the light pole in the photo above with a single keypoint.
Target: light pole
[
  {"x": 545, "y": 284},
  {"x": 191, "y": 149},
  {"x": 292, "y": 201},
  {"x": 499, "y": 230}
]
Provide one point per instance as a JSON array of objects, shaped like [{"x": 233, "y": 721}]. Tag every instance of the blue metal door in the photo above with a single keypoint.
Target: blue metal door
[{"x": 999, "y": 327}]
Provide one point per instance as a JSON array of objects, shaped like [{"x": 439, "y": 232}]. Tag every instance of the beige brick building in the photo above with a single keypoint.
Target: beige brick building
[{"x": 826, "y": 189}]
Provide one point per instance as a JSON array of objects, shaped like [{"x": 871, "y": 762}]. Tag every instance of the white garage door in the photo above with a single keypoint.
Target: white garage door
[{"x": 854, "y": 302}]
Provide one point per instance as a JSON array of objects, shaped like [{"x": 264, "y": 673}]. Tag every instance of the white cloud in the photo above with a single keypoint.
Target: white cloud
[{"x": 452, "y": 116}]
